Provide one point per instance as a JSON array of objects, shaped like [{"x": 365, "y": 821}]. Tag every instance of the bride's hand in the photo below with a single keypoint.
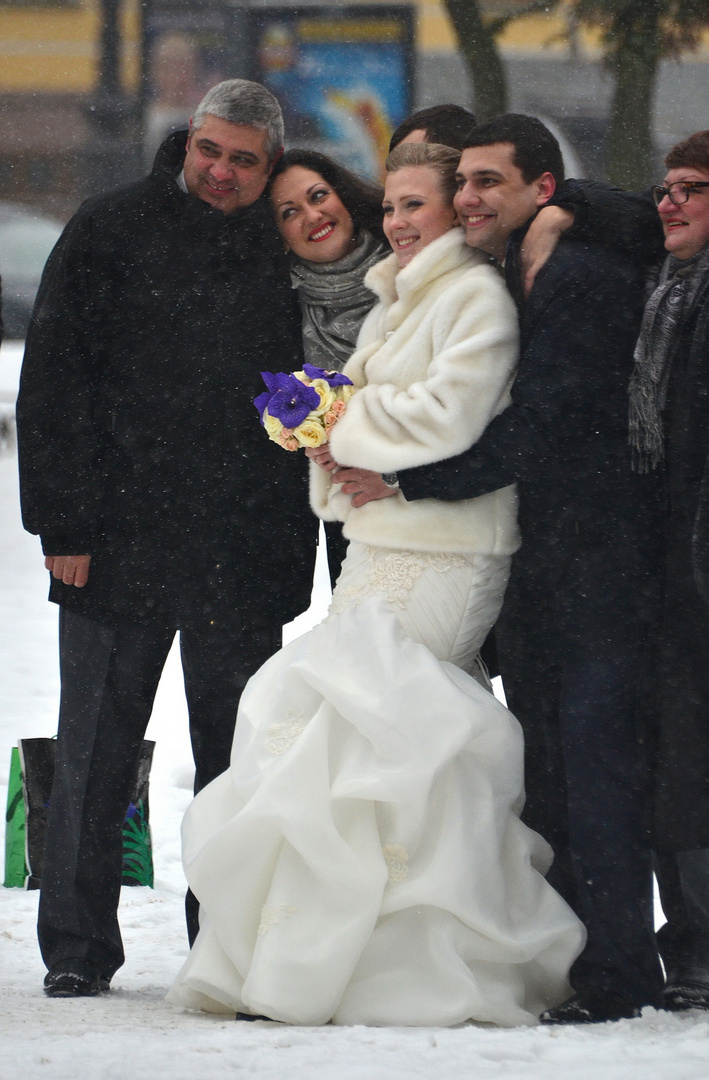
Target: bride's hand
[
  {"x": 321, "y": 456},
  {"x": 364, "y": 486}
]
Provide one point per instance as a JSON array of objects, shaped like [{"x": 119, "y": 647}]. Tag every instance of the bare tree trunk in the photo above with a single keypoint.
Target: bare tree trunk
[
  {"x": 484, "y": 62},
  {"x": 635, "y": 61}
]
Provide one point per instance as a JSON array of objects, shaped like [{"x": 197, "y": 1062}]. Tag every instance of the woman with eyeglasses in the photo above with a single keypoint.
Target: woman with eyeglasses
[{"x": 669, "y": 425}]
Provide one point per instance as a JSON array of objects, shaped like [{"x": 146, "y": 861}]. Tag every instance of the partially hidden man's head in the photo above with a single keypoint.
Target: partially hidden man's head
[
  {"x": 510, "y": 167},
  {"x": 683, "y": 200},
  {"x": 236, "y": 136},
  {"x": 449, "y": 125}
]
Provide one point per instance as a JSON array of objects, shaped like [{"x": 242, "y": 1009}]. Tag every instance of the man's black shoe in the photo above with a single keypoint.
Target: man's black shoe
[
  {"x": 689, "y": 993},
  {"x": 75, "y": 978},
  {"x": 591, "y": 1009}
]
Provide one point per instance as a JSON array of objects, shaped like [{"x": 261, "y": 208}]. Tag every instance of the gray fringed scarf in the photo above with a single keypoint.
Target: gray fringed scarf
[
  {"x": 667, "y": 309},
  {"x": 334, "y": 301}
]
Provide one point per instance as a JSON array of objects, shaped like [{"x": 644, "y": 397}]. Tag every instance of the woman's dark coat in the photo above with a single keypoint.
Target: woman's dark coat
[
  {"x": 682, "y": 754},
  {"x": 691, "y": 442},
  {"x": 139, "y": 442}
]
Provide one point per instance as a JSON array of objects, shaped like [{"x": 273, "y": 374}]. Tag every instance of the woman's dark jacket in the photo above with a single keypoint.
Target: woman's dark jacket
[
  {"x": 681, "y": 819},
  {"x": 689, "y": 438},
  {"x": 138, "y": 440}
]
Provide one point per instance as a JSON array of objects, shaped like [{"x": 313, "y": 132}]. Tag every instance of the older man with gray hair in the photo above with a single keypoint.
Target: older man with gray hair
[{"x": 159, "y": 504}]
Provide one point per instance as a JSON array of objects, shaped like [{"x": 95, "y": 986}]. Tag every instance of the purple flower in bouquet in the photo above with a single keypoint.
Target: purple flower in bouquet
[
  {"x": 332, "y": 378},
  {"x": 287, "y": 399}
]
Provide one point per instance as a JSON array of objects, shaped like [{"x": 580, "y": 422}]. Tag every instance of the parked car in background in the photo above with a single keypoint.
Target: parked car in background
[{"x": 26, "y": 239}]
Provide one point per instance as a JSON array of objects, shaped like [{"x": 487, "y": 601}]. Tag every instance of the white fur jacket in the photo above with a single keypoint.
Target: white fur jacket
[{"x": 434, "y": 363}]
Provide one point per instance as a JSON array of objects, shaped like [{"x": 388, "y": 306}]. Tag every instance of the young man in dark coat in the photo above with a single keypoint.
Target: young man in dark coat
[
  {"x": 573, "y": 635},
  {"x": 158, "y": 501},
  {"x": 670, "y": 432}
]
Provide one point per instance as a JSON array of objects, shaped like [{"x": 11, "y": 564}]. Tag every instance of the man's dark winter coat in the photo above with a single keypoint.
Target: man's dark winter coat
[
  {"x": 565, "y": 437},
  {"x": 574, "y": 632},
  {"x": 139, "y": 442}
]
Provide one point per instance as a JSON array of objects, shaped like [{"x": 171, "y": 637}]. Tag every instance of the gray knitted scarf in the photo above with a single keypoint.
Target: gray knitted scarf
[
  {"x": 334, "y": 301},
  {"x": 673, "y": 292}
]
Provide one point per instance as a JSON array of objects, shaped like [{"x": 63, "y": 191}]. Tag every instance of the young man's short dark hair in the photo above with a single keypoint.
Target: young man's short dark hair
[
  {"x": 446, "y": 124},
  {"x": 536, "y": 150}
]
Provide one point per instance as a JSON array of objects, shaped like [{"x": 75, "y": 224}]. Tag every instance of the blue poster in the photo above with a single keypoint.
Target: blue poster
[{"x": 343, "y": 78}]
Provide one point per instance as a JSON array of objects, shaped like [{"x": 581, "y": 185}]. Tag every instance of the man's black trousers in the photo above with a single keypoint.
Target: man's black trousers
[
  {"x": 109, "y": 677},
  {"x": 572, "y": 658}
]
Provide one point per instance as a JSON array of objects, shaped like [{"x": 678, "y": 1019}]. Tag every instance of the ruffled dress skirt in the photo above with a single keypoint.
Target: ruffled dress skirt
[{"x": 362, "y": 860}]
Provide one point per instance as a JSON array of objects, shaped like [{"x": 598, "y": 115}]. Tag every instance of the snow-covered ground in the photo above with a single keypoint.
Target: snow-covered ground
[{"x": 132, "y": 1032}]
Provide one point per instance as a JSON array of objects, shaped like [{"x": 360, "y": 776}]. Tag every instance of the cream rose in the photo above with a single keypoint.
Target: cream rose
[
  {"x": 326, "y": 395},
  {"x": 310, "y": 433},
  {"x": 272, "y": 426}
]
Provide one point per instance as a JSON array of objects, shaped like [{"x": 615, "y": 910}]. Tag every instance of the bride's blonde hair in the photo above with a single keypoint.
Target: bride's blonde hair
[{"x": 442, "y": 159}]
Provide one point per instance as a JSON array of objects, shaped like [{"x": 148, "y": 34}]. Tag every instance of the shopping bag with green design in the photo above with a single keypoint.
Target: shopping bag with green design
[
  {"x": 33, "y": 763},
  {"x": 15, "y": 870},
  {"x": 137, "y": 845}
]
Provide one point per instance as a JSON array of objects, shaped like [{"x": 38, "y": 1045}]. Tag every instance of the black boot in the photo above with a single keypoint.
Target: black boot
[
  {"x": 684, "y": 940},
  {"x": 75, "y": 977},
  {"x": 591, "y": 1008}
]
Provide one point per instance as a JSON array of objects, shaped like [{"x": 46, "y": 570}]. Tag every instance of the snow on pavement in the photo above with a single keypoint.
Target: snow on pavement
[{"x": 132, "y": 1032}]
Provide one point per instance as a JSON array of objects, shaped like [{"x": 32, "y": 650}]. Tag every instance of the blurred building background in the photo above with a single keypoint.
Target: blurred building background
[{"x": 88, "y": 86}]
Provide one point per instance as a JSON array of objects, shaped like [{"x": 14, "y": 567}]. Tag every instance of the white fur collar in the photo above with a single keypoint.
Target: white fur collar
[{"x": 447, "y": 253}]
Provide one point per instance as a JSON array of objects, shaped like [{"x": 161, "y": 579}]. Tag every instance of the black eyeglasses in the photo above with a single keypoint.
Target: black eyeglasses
[{"x": 678, "y": 192}]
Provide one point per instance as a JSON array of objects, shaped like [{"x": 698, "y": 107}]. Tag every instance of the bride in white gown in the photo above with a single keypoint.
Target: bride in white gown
[{"x": 363, "y": 861}]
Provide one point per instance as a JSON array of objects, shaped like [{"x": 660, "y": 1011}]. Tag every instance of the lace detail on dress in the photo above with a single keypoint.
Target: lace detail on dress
[
  {"x": 396, "y": 858},
  {"x": 272, "y": 915},
  {"x": 283, "y": 734},
  {"x": 393, "y": 573}
]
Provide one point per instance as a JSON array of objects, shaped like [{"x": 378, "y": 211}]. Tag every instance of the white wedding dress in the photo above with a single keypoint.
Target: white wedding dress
[{"x": 362, "y": 861}]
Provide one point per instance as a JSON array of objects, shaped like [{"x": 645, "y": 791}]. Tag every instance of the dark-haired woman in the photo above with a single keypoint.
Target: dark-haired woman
[{"x": 330, "y": 220}]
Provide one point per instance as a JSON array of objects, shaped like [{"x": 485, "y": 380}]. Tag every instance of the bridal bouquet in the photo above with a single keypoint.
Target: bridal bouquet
[{"x": 299, "y": 409}]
